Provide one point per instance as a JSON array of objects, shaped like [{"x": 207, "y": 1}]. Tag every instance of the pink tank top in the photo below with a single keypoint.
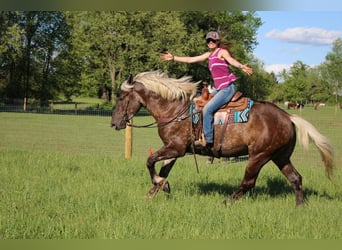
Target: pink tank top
[{"x": 220, "y": 72}]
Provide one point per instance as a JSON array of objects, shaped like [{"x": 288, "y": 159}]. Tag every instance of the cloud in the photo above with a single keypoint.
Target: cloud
[
  {"x": 277, "y": 68},
  {"x": 302, "y": 35}
]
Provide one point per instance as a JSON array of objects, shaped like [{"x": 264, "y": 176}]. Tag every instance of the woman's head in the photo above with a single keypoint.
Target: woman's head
[
  {"x": 213, "y": 35},
  {"x": 213, "y": 39}
]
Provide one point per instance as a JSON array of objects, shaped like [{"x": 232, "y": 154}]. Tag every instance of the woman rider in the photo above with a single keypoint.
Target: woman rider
[{"x": 219, "y": 60}]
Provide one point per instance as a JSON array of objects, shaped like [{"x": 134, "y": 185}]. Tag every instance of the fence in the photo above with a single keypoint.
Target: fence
[
  {"x": 63, "y": 109},
  {"x": 59, "y": 109},
  {"x": 326, "y": 119}
]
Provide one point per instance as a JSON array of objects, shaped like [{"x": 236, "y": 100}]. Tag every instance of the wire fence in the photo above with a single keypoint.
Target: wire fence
[
  {"x": 63, "y": 109},
  {"x": 327, "y": 120}
]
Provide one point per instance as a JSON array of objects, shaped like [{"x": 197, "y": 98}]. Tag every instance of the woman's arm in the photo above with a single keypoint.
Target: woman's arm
[
  {"x": 226, "y": 56},
  {"x": 184, "y": 59}
]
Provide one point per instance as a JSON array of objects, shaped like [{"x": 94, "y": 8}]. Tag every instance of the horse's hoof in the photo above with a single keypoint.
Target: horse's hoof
[
  {"x": 162, "y": 185},
  {"x": 166, "y": 187},
  {"x": 152, "y": 192}
]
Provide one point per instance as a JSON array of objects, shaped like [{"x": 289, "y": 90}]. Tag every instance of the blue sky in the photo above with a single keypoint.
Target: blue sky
[{"x": 289, "y": 36}]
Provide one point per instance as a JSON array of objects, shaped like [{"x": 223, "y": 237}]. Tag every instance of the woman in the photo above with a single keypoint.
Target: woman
[{"x": 219, "y": 60}]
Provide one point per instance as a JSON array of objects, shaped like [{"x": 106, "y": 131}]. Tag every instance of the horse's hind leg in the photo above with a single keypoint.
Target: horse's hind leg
[
  {"x": 294, "y": 178},
  {"x": 255, "y": 163}
]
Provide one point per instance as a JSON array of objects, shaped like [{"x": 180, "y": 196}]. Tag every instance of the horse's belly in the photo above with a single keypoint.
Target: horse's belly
[{"x": 234, "y": 140}]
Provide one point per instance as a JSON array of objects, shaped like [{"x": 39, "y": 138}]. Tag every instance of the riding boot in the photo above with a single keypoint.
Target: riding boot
[
  {"x": 207, "y": 148},
  {"x": 204, "y": 147}
]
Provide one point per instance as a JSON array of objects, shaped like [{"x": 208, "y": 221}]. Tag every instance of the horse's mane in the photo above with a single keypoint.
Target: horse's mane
[{"x": 161, "y": 84}]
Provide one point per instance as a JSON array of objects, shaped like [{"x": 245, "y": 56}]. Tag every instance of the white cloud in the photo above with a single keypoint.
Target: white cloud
[
  {"x": 277, "y": 68},
  {"x": 313, "y": 36}
]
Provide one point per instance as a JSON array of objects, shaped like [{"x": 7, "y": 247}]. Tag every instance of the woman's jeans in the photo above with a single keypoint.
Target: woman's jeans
[{"x": 220, "y": 98}]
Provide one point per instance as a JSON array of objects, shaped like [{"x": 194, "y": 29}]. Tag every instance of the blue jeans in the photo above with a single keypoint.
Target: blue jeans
[{"x": 220, "y": 98}]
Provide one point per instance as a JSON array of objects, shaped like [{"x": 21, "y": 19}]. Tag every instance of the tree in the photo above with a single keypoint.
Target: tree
[
  {"x": 29, "y": 44},
  {"x": 260, "y": 85},
  {"x": 116, "y": 44},
  {"x": 295, "y": 84},
  {"x": 48, "y": 54},
  {"x": 10, "y": 55},
  {"x": 318, "y": 88},
  {"x": 333, "y": 64}
]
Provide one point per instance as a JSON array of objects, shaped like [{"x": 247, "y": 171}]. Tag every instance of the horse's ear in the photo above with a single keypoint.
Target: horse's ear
[{"x": 130, "y": 79}]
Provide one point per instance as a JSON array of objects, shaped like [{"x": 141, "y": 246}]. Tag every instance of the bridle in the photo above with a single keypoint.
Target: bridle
[{"x": 163, "y": 122}]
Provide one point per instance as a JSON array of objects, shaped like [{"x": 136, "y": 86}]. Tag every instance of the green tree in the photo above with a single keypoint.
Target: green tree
[
  {"x": 295, "y": 84},
  {"x": 47, "y": 54},
  {"x": 318, "y": 88},
  {"x": 10, "y": 55},
  {"x": 333, "y": 64},
  {"x": 260, "y": 85},
  {"x": 30, "y": 40},
  {"x": 116, "y": 44}
]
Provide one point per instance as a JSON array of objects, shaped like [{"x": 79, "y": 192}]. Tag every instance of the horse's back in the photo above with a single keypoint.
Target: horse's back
[{"x": 268, "y": 126}]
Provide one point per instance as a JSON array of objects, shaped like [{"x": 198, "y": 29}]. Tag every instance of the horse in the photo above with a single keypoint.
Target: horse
[
  {"x": 293, "y": 105},
  {"x": 269, "y": 135}
]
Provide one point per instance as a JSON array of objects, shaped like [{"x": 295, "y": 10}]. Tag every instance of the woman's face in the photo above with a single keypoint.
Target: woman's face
[{"x": 212, "y": 44}]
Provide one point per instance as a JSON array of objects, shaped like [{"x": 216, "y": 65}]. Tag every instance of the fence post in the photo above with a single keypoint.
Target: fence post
[
  {"x": 51, "y": 107},
  {"x": 25, "y": 102},
  {"x": 128, "y": 141}
]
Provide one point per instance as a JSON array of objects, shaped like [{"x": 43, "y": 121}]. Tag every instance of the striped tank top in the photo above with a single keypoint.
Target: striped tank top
[{"x": 219, "y": 71}]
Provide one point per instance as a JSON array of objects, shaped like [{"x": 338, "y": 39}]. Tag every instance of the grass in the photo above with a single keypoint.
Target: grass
[{"x": 65, "y": 177}]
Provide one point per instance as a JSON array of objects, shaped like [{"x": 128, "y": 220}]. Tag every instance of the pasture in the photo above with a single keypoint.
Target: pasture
[{"x": 65, "y": 177}]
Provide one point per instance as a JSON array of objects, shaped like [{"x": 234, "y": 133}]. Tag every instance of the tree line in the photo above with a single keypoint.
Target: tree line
[{"x": 55, "y": 55}]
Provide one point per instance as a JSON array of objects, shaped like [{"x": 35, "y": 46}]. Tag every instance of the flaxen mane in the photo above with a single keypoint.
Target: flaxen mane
[{"x": 166, "y": 87}]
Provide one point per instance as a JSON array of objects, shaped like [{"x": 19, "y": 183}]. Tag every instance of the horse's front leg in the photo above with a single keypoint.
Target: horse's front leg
[{"x": 159, "y": 181}]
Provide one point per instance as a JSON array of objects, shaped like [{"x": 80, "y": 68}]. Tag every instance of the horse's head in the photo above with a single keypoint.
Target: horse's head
[
  {"x": 153, "y": 90},
  {"x": 127, "y": 105}
]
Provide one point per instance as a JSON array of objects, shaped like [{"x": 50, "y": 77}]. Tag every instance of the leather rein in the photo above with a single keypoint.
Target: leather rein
[{"x": 163, "y": 122}]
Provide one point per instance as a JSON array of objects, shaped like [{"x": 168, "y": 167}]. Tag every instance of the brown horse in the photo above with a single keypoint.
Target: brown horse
[{"x": 269, "y": 135}]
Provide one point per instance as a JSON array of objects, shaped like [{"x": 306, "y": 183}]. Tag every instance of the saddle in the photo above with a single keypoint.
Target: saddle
[{"x": 237, "y": 103}]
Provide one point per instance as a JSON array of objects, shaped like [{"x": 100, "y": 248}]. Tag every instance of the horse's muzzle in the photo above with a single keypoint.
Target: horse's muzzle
[{"x": 119, "y": 125}]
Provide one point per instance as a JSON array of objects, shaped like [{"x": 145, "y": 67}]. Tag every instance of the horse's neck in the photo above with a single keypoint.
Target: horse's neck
[{"x": 166, "y": 109}]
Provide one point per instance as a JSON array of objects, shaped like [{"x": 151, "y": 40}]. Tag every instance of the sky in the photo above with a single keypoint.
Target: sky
[{"x": 289, "y": 36}]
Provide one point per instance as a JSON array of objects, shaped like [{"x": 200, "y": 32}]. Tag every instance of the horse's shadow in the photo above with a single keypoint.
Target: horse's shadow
[{"x": 275, "y": 187}]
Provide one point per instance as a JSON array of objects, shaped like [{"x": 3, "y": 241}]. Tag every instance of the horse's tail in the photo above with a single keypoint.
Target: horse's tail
[{"x": 305, "y": 131}]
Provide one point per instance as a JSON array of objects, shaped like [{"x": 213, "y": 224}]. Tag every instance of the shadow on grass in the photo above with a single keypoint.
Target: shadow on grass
[{"x": 275, "y": 187}]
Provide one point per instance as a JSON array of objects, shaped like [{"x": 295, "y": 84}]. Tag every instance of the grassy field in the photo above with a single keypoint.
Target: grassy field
[{"x": 65, "y": 177}]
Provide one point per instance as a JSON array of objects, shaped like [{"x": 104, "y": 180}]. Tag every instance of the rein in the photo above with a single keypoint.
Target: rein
[{"x": 156, "y": 124}]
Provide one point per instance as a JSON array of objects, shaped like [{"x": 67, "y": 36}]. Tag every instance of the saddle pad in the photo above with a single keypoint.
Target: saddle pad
[
  {"x": 234, "y": 116},
  {"x": 220, "y": 116}
]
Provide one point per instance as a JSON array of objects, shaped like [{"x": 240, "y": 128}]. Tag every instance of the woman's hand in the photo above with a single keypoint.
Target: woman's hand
[
  {"x": 166, "y": 56},
  {"x": 246, "y": 69}
]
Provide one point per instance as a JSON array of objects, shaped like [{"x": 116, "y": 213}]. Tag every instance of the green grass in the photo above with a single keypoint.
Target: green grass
[{"x": 65, "y": 177}]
